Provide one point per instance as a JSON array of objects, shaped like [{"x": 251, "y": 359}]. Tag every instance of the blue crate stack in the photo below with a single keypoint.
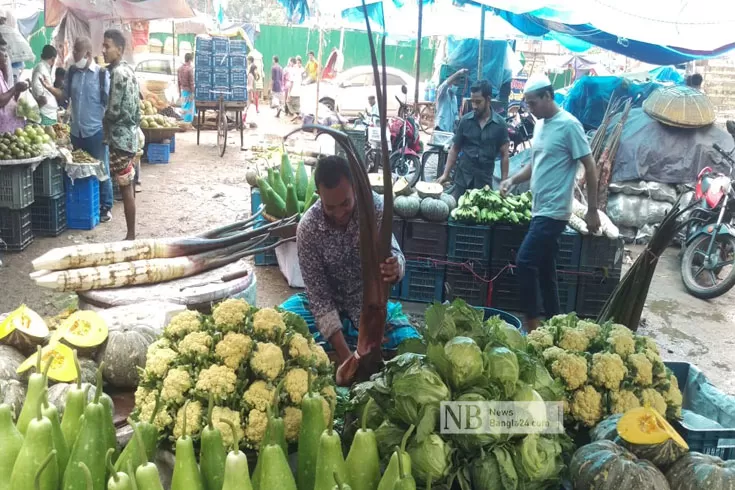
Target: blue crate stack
[
  {"x": 82, "y": 203},
  {"x": 220, "y": 66},
  {"x": 203, "y": 68}
]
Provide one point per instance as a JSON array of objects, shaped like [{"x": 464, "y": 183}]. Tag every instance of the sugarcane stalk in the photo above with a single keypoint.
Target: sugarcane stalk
[{"x": 218, "y": 232}]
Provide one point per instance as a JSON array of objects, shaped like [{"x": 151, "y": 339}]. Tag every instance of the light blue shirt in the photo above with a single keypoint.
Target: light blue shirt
[
  {"x": 558, "y": 145},
  {"x": 447, "y": 108},
  {"x": 87, "y": 109}
]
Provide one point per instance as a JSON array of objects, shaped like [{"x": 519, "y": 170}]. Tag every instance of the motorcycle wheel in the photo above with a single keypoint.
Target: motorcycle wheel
[
  {"x": 408, "y": 166},
  {"x": 695, "y": 267}
]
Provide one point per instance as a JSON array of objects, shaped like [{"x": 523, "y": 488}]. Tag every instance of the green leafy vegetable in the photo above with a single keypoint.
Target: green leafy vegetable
[
  {"x": 538, "y": 458},
  {"x": 501, "y": 366},
  {"x": 465, "y": 362},
  {"x": 430, "y": 459}
]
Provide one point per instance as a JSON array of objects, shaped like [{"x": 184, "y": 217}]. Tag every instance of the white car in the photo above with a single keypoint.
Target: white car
[
  {"x": 157, "y": 71},
  {"x": 348, "y": 93}
]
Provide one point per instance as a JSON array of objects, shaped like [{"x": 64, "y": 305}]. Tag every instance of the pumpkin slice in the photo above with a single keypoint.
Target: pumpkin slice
[
  {"x": 84, "y": 329},
  {"x": 376, "y": 182},
  {"x": 24, "y": 329},
  {"x": 62, "y": 368},
  {"x": 401, "y": 187},
  {"x": 644, "y": 425},
  {"x": 429, "y": 189}
]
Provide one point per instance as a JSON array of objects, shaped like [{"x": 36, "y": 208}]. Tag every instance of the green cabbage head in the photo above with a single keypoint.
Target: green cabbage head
[
  {"x": 465, "y": 362},
  {"x": 430, "y": 459},
  {"x": 537, "y": 458},
  {"x": 418, "y": 386},
  {"x": 501, "y": 366}
]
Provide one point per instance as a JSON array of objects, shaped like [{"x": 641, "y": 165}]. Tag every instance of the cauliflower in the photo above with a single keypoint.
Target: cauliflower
[
  {"x": 196, "y": 343},
  {"x": 298, "y": 347},
  {"x": 329, "y": 394},
  {"x": 159, "y": 344},
  {"x": 292, "y": 421},
  {"x": 622, "y": 401},
  {"x": 654, "y": 399},
  {"x": 145, "y": 401},
  {"x": 259, "y": 395},
  {"x": 269, "y": 324},
  {"x": 233, "y": 348},
  {"x": 608, "y": 370},
  {"x": 218, "y": 380},
  {"x": 673, "y": 397},
  {"x": 573, "y": 339},
  {"x": 219, "y": 413},
  {"x": 618, "y": 329},
  {"x": 175, "y": 385},
  {"x": 184, "y": 323},
  {"x": 157, "y": 364},
  {"x": 194, "y": 415},
  {"x": 591, "y": 330},
  {"x": 621, "y": 343},
  {"x": 641, "y": 368},
  {"x": 552, "y": 353},
  {"x": 572, "y": 369},
  {"x": 267, "y": 361},
  {"x": 327, "y": 411},
  {"x": 587, "y": 406},
  {"x": 230, "y": 314},
  {"x": 540, "y": 338},
  {"x": 322, "y": 359},
  {"x": 296, "y": 384},
  {"x": 255, "y": 428}
]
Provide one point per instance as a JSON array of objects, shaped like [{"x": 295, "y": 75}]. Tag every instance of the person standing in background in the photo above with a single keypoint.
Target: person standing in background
[
  {"x": 288, "y": 74},
  {"x": 312, "y": 68},
  {"x": 254, "y": 92},
  {"x": 276, "y": 86},
  {"x": 45, "y": 98},
  {"x": 121, "y": 122},
  {"x": 297, "y": 80},
  {"x": 447, "y": 107},
  {"x": 186, "y": 87},
  {"x": 9, "y": 92}
]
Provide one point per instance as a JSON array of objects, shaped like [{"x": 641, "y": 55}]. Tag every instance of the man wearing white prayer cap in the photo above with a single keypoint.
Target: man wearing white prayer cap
[{"x": 558, "y": 145}]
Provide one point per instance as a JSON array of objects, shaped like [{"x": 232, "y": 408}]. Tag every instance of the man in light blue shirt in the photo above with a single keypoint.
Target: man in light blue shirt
[
  {"x": 447, "y": 107},
  {"x": 559, "y": 145},
  {"x": 88, "y": 86}
]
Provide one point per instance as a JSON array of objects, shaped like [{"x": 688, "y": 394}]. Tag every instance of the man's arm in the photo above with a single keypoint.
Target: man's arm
[
  {"x": 504, "y": 160},
  {"x": 518, "y": 178},
  {"x": 457, "y": 143},
  {"x": 114, "y": 102},
  {"x": 37, "y": 87},
  {"x": 590, "y": 173}
]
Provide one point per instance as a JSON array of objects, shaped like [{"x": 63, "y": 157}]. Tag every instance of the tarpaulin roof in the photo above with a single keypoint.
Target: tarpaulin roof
[{"x": 117, "y": 9}]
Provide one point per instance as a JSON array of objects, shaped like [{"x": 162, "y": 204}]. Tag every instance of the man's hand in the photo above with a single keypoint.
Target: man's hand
[
  {"x": 21, "y": 87},
  {"x": 593, "y": 220},
  {"x": 390, "y": 270},
  {"x": 505, "y": 186},
  {"x": 442, "y": 179},
  {"x": 46, "y": 83}
]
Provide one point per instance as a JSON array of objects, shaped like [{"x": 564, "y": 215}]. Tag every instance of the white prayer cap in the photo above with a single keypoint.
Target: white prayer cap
[{"x": 536, "y": 82}]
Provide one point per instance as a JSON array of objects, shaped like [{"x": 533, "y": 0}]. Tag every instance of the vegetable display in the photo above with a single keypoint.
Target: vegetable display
[
  {"x": 695, "y": 471},
  {"x": 284, "y": 191},
  {"x": 603, "y": 465},
  {"x": 486, "y": 206},
  {"x": 604, "y": 369}
]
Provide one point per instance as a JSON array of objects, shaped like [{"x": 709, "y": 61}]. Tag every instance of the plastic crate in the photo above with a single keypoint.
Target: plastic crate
[
  {"x": 468, "y": 281},
  {"x": 48, "y": 216},
  {"x": 269, "y": 257},
  {"x": 717, "y": 442},
  {"x": 470, "y": 242},
  {"x": 237, "y": 62},
  {"x": 172, "y": 144},
  {"x": 203, "y": 92},
  {"x": 82, "y": 203},
  {"x": 602, "y": 253},
  {"x": 203, "y": 61},
  {"x": 159, "y": 152},
  {"x": 220, "y": 45},
  {"x": 238, "y": 94},
  {"x": 203, "y": 75},
  {"x": 220, "y": 61},
  {"x": 506, "y": 240},
  {"x": 359, "y": 139},
  {"x": 505, "y": 290},
  {"x": 238, "y": 79},
  {"x": 48, "y": 179},
  {"x": 593, "y": 290},
  {"x": 203, "y": 44},
  {"x": 570, "y": 247},
  {"x": 15, "y": 229},
  {"x": 423, "y": 281},
  {"x": 398, "y": 227},
  {"x": 238, "y": 47},
  {"x": 425, "y": 238},
  {"x": 221, "y": 80},
  {"x": 16, "y": 186}
]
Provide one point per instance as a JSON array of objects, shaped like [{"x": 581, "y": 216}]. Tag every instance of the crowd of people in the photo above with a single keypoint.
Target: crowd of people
[{"x": 286, "y": 83}]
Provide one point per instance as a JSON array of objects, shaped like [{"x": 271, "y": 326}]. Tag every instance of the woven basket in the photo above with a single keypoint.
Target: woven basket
[{"x": 680, "y": 106}]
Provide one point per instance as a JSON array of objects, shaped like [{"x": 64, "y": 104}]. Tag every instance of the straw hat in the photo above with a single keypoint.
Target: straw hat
[{"x": 680, "y": 106}]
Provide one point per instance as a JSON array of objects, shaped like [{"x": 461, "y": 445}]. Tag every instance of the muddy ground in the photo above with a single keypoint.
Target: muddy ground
[{"x": 199, "y": 190}]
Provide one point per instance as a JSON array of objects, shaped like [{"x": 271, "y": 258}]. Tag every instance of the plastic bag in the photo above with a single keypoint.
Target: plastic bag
[{"x": 27, "y": 107}]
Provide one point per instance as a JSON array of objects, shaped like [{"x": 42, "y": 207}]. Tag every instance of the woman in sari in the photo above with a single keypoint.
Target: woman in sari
[{"x": 9, "y": 93}]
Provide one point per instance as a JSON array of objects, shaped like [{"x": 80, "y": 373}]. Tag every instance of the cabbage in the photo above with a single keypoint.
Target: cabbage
[
  {"x": 527, "y": 394},
  {"x": 465, "y": 362},
  {"x": 494, "y": 470},
  {"x": 538, "y": 458},
  {"x": 501, "y": 366},
  {"x": 546, "y": 386},
  {"x": 471, "y": 442},
  {"x": 389, "y": 436},
  {"x": 418, "y": 386},
  {"x": 440, "y": 325},
  {"x": 430, "y": 459},
  {"x": 505, "y": 333}
]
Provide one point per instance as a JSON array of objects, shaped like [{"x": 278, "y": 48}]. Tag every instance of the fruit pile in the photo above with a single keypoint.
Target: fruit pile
[
  {"x": 23, "y": 143},
  {"x": 59, "y": 131},
  {"x": 157, "y": 122},
  {"x": 147, "y": 108}
]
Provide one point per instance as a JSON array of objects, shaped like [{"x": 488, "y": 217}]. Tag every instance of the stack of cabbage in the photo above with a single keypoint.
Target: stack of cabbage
[
  {"x": 464, "y": 358},
  {"x": 239, "y": 354},
  {"x": 606, "y": 369}
]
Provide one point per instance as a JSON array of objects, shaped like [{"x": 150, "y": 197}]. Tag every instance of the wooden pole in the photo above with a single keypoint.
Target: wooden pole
[
  {"x": 319, "y": 71},
  {"x": 418, "y": 54},
  {"x": 482, "y": 42}
]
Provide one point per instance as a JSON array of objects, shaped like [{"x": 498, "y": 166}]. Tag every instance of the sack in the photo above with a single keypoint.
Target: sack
[
  {"x": 27, "y": 107},
  {"x": 288, "y": 262}
]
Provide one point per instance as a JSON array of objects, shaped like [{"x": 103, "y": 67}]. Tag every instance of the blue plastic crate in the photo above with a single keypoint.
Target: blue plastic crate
[
  {"x": 395, "y": 291},
  {"x": 203, "y": 61},
  {"x": 203, "y": 92},
  {"x": 48, "y": 216},
  {"x": 159, "y": 152},
  {"x": 220, "y": 45},
  {"x": 424, "y": 280},
  {"x": 470, "y": 242},
  {"x": 238, "y": 94},
  {"x": 82, "y": 203},
  {"x": 238, "y": 62},
  {"x": 203, "y": 76},
  {"x": 238, "y": 47},
  {"x": 506, "y": 240},
  {"x": 269, "y": 257},
  {"x": 398, "y": 226},
  {"x": 220, "y": 61},
  {"x": 203, "y": 44},
  {"x": 255, "y": 200},
  {"x": 238, "y": 79},
  {"x": 221, "y": 80},
  {"x": 172, "y": 144}
]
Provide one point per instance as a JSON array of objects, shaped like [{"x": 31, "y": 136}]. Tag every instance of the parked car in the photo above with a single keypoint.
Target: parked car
[
  {"x": 348, "y": 93},
  {"x": 157, "y": 73}
]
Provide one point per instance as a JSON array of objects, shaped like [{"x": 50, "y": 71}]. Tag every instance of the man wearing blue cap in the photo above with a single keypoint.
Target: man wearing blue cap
[{"x": 559, "y": 143}]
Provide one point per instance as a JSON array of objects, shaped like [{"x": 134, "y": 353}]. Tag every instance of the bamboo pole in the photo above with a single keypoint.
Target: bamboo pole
[
  {"x": 320, "y": 52},
  {"x": 418, "y": 54},
  {"x": 482, "y": 41}
]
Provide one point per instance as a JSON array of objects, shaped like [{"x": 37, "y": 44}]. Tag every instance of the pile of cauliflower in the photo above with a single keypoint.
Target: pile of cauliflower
[
  {"x": 240, "y": 355},
  {"x": 605, "y": 369}
]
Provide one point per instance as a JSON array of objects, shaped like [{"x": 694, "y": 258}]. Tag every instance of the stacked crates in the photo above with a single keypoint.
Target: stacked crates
[
  {"x": 203, "y": 68},
  {"x": 468, "y": 271},
  {"x": 48, "y": 211},
  {"x": 425, "y": 249},
  {"x": 82, "y": 203},
  {"x": 220, "y": 65},
  {"x": 600, "y": 268},
  {"x": 16, "y": 198}
]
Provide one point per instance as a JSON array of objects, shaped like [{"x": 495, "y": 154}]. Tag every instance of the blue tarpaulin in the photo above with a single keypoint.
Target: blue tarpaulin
[{"x": 462, "y": 53}]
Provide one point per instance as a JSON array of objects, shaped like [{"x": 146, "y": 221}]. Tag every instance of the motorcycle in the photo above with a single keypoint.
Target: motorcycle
[
  {"x": 520, "y": 130},
  {"x": 707, "y": 264}
]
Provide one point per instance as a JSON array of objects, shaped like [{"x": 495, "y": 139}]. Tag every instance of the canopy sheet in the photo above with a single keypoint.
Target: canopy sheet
[
  {"x": 655, "y": 152},
  {"x": 496, "y": 62},
  {"x": 117, "y": 9}
]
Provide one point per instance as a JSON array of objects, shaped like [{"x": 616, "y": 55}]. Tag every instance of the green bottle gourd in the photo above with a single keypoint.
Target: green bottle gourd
[
  {"x": 118, "y": 480},
  {"x": 312, "y": 426},
  {"x": 278, "y": 185},
  {"x": 37, "y": 444},
  {"x": 406, "y": 480},
  {"x": 275, "y": 432},
  {"x": 212, "y": 453},
  {"x": 90, "y": 446},
  {"x": 302, "y": 181},
  {"x": 146, "y": 475},
  {"x": 50, "y": 411},
  {"x": 286, "y": 169},
  {"x": 37, "y": 480},
  {"x": 310, "y": 188},
  {"x": 393, "y": 473},
  {"x": 108, "y": 426},
  {"x": 275, "y": 472},
  {"x": 149, "y": 433},
  {"x": 88, "y": 483},
  {"x": 363, "y": 460},
  {"x": 186, "y": 472},
  {"x": 340, "y": 485},
  {"x": 11, "y": 440},
  {"x": 37, "y": 382},
  {"x": 330, "y": 459},
  {"x": 292, "y": 201},
  {"x": 76, "y": 400},
  {"x": 237, "y": 472}
]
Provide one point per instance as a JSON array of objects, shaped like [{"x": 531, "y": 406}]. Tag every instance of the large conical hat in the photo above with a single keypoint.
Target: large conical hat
[{"x": 680, "y": 106}]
